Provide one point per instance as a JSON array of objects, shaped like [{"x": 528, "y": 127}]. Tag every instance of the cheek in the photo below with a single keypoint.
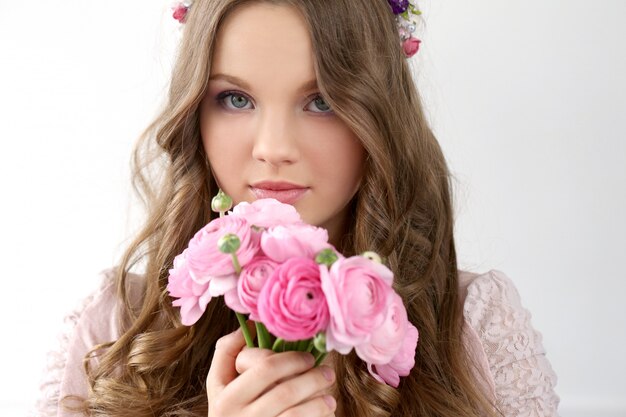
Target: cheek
[
  {"x": 355, "y": 160},
  {"x": 224, "y": 147},
  {"x": 343, "y": 163},
  {"x": 215, "y": 141}
]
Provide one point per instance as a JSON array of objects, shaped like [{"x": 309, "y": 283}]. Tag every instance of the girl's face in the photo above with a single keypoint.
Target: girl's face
[{"x": 263, "y": 120}]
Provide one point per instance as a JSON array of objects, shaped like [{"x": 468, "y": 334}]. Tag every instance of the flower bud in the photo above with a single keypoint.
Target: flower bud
[
  {"x": 410, "y": 46},
  {"x": 372, "y": 256},
  {"x": 326, "y": 257},
  {"x": 221, "y": 202},
  {"x": 320, "y": 342},
  {"x": 229, "y": 243}
]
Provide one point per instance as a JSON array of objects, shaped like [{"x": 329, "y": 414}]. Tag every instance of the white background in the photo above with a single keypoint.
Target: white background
[{"x": 527, "y": 98}]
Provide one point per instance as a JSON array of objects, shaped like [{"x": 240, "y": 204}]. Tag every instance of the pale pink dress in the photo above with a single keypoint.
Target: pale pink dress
[{"x": 506, "y": 349}]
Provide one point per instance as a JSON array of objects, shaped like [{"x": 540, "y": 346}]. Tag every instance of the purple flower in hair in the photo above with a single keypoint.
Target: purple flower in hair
[{"x": 399, "y": 6}]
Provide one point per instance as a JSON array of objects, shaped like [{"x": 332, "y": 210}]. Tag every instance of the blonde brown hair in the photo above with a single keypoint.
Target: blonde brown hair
[{"x": 403, "y": 210}]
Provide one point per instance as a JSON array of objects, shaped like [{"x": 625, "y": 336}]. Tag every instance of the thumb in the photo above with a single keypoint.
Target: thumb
[{"x": 223, "y": 370}]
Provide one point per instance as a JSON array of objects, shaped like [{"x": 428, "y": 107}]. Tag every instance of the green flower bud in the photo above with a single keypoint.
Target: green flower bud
[
  {"x": 326, "y": 257},
  {"x": 372, "y": 256},
  {"x": 229, "y": 243},
  {"x": 221, "y": 202},
  {"x": 320, "y": 342}
]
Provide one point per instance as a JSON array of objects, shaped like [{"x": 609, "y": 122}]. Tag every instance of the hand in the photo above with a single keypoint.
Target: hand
[{"x": 261, "y": 383}]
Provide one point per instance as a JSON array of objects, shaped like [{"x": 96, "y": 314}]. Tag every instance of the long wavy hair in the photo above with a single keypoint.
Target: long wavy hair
[{"x": 403, "y": 211}]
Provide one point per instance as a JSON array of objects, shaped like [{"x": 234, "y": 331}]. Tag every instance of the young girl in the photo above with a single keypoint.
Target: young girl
[{"x": 311, "y": 102}]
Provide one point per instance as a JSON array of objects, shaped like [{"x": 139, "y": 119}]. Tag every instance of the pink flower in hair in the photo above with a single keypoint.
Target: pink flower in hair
[
  {"x": 410, "y": 46},
  {"x": 192, "y": 298},
  {"x": 180, "y": 11}
]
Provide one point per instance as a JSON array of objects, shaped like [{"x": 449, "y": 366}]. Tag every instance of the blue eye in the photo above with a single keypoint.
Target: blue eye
[
  {"x": 321, "y": 104},
  {"x": 237, "y": 100},
  {"x": 234, "y": 100}
]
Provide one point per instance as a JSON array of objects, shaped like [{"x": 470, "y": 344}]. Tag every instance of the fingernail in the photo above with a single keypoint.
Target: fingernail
[
  {"x": 330, "y": 401},
  {"x": 310, "y": 359},
  {"x": 328, "y": 373}
]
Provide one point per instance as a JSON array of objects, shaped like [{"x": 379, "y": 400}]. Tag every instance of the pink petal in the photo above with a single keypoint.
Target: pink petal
[
  {"x": 221, "y": 285},
  {"x": 231, "y": 298}
]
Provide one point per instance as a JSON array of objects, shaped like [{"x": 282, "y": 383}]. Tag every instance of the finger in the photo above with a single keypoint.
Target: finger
[
  {"x": 249, "y": 357},
  {"x": 222, "y": 370},
  {"x": 299, "y": 389},
  {"x": 256, "y": 380},
  {"x": 317, "y": 406}
]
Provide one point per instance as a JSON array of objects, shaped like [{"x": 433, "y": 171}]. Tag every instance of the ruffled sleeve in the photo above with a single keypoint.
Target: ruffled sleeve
[
  {"x": 91, "y": 323},
  {"x": 522, "y": 376}
]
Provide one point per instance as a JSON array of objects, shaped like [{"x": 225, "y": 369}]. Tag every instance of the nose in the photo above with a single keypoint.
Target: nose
[{"x": 275, "y": 142}]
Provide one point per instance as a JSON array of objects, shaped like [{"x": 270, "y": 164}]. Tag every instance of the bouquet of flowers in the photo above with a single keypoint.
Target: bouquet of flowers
[{"x": 301, "y": 293}]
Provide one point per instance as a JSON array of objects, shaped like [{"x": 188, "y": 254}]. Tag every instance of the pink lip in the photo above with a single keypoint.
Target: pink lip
[{"x": 284, "y": 192}]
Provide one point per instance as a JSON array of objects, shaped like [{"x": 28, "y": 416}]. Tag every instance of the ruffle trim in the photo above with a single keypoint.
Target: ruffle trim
[{"x": 47, "y": 403}]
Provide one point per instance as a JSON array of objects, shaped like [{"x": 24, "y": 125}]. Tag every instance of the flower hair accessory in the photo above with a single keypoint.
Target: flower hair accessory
[
  {"x": 180, "y": 10},
  {"x": 403, "y": 9}
]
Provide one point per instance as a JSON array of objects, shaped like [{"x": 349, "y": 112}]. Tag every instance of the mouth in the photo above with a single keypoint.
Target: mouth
[{"x": 285, "y": 192}]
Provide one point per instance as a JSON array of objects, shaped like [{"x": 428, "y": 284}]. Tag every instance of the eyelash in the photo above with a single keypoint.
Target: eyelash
[{"x": 221, "y": 96}]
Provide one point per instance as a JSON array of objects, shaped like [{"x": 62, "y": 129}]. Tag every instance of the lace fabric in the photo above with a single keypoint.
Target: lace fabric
[
  {"x": 47, "y": 404},
  {"x": 522, "y": 376}
]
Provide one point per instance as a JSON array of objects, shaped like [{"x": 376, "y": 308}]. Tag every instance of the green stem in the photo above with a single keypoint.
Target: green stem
[
  {"x": 263, "y": 335},
  {"x": 311, "y": 345},
  {"x": 319, "y": 358},
  {"x": 221, "y": 214},
  {"x": 236, "y": 263},
  {"x": 279, "y": 343},
  {"x": 302, "y": 345},
  {"x": 244, "y": 327}
]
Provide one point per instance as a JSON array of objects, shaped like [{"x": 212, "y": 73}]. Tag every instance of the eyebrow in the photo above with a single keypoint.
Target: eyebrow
[{"x": 242, "y": 83}]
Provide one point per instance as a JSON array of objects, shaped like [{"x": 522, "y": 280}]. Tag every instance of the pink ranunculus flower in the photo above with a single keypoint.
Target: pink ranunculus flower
[
  {"x": 244, "y": 298},
  {"x": 283, "y": 242},
  {"x": 402, "y": 362},
  {"x": 410, "y": 46},
  {"x": 207, "y": 263},
  {"x": 292, "y": 304},
  {"x": 220, "y": 285},
  {"x": 358, "y": 292},
  {"x": 267, "y": 212},
  {"x": 231, "y": 298},
  {"x": 180, "y": 12},
  {"x": 192, "y": 298},
  {"x": 387, "y": 339}
]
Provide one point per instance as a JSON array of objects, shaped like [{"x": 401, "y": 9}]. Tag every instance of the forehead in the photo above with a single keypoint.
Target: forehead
[{"x": 264, "y": 44}]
